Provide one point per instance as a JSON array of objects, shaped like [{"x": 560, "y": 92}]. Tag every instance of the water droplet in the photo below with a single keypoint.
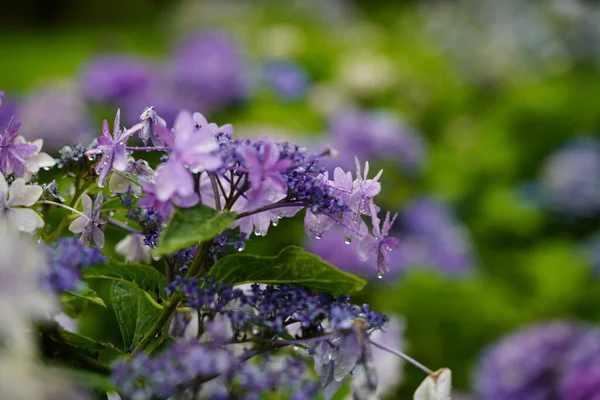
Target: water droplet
[
  {"x": 46, "y": 168},
  {"x": 275, "y": 223},
  {"x": 347, "y": 240},
  {"x": 241, "y": 247},
  {"x": 255, "y": 331},
  {"x": 257, "y": 232},
  {"x": 279, "y": 216},
  {"x": 111, "y": 213},
  {"x": 295, "y": 348},
  {"x": 318, "y": 236},
  {"x": 156, "y": 258},
  {"x": 380, "y": 275},
  {"x": 90, "y": 157}
]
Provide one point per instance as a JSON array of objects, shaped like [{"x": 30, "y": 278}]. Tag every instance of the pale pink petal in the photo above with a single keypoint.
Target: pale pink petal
[
  {"x": 79, "y": 224},
  {"x": 24, "y": 219}
]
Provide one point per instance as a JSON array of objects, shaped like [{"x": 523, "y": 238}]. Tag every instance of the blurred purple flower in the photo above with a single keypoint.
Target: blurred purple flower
[
  {"x": 526, "y": 363},
  {"x": 211, "y": 67},
  {"x": 581, "y": 384},
  {"x": 430, "y": 235},
  {"x": 56, "y": 113},
  {"x": 287, "y": 79},
  {"x": 112, "y": 78},
  {"x": 569, "y": 181},
  {"x": 376, "y": 135}
]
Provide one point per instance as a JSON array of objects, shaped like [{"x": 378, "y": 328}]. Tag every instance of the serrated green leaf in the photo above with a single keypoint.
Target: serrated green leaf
[
  {"x": 134, "y": 312},
  {"x": 292, "y": 265},
  {"x": 143, "y": 276},
  {"x": 88, "y": 295},
  {"x": 86, "y": 343},
  {"x": 189, "y": 226}
]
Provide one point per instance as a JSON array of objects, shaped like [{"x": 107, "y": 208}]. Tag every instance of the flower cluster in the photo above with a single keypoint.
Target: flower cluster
[
  {"x": 66, "y": 258},
  {"x": 548, "y": 360},
  {"x": 261, "y": 180}
]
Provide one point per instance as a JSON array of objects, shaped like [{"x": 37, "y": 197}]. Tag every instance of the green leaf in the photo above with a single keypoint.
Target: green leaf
[
  {"x": 135, "y": 314},
  {"x": 292, "y": 265},
  {"x": 88, "y": 295},
  {"x": 86, "y": 343},
  {"x": 91, "y": 380},
  {"x": 72, "y": 305},
  {"x": 189, "y": 226},
  {"x": 143, "y": 276}
]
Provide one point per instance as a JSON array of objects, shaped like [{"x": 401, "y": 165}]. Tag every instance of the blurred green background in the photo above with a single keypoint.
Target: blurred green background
[{"x": 493, "y": 89}]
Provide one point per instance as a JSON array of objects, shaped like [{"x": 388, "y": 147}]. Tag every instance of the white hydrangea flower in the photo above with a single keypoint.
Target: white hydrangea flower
[
  {"x": 20, "y": 195},
  {"x": 37, "y": 161},
  {"x": 436, "y": 386},
  {"x": 134, "y": 249}
]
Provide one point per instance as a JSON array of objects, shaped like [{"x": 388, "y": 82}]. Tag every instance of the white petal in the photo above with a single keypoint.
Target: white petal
[
  {"x": 86, "y": 201},
  {"x": 78, "y": 225},
  {"x": 436, "y": 386},
  {"x": 3, "y": 186},
  {"x": 40, "y": 160},
  {"x": 23, "y": 195},
  {"x": 98, "y": 236},
  {"x": 24, "y": 219}
]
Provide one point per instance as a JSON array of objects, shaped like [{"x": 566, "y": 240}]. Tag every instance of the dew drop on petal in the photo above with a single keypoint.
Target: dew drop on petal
[
  {"x": 274, "y": 223},
  {"x": 318, "y": 237},
  {"x": 380, "y": 275},
  {"x": 255, "y": 331},
  {"x": 347, "y": 240},
  {"x": 241, "y": 247}
]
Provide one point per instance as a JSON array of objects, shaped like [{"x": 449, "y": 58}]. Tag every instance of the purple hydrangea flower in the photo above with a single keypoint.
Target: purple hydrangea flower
[
  {"x": 525, "y": 364},
  {"x": 151, "y": 125},
  {"x": 56, "y": 113},
  {"x": 378, "y": 245},
  {"x": 430, "y": 235},
  {"x": 88, "y": 224},
  {"x": 376, "y": 135},
  {"x": 266, "y": 167},
  {"x": 209, "y": 66},
  {"x": 287, "y": 79},
  {"x": 581, "y": 384},
  {"x": 13, "y": 153},
  {"x": 112, "y": 148},
  {"x": 111, "y": 78},
  {"x": 66, "y": 258},
  {"x": 193, "y": 149},
  {"x": 569, "y": 182}
]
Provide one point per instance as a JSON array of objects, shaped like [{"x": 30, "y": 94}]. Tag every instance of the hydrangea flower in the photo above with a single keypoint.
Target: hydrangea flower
[
  {"x": 209, "y": 68},
  {"x": 430, "y": 235},
  {"x": 266, "y": 167},
  {"x": 568, "y": 181},
  {"x": 66, "y": 258},
  {"x": 138, "y": 168},
  {"x": 134, "y": 249},
  {"x": 380, "y": 244},
  {"x": 112, "y": 148},
  {"x": 13, "y": 198},
  {"x": 193, "y": 150},
  {"x": 14, "y": 154},
  {"x": 375, "y": 135},
  {"x": 436, "y": 386},
  {"x": 112, "y": 77},
  {"x": 151, "y": 125},
  {"x": 88, "y": 224},
  {"x": 524, "y": 365}
]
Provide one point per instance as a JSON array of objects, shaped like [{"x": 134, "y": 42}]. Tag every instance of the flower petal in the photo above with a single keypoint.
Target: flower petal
[
  {"x": 23, "y": 195},
  {"x": 78, "y": 225},
  {"x": 436, "y": 386},
  {"x": 24, "y": 219}
]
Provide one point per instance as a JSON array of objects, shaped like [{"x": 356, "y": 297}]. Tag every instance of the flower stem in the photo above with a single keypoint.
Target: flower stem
[
  {"x": 148, "y": 148},
  {"x": 121, "y": 225},
  {"x": 79, "y": 190},
  {"x": 269, "y": 207},
  {"x": 198, "y": 268},
  {"x": 404, "y": 357}
]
